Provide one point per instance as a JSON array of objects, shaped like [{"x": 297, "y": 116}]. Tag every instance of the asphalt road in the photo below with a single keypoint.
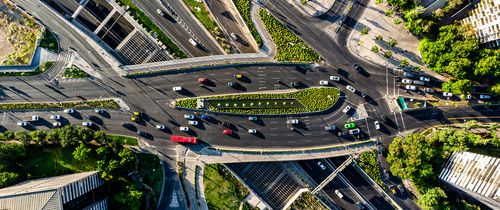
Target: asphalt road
[{"x": 229, "y": 25}]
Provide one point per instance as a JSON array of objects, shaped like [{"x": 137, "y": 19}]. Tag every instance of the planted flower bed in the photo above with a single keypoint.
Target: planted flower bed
[
  {"x": 300, "y": 101},
  {"x": 109, "y": 104}
]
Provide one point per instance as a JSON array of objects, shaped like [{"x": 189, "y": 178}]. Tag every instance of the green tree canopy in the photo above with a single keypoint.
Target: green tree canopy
[
  {"x": 8, "y": 178},
  {"x": 433, "y": 199},
  {"x": 82, "y": 152}
]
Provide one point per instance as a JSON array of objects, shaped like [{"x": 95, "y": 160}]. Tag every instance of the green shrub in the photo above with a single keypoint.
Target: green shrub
[
  {"x": 397, "y": 21},
  {"x": 49, "y": 41},
  {"x": 74, "y": 72},
  {"x": 392, "y": 42},
  {"x": 109, "y": 104},
  {"x": 375, "y": 49},
  {"x": 389, "y": 12},
  {"x": 289, "y": 47},
  {"x": 404, "y": 63},
  {"x": 40, "y": 69},
  {"x": 243, "y": 7},
  {"x": 368, "y": 161},
  {"x": 313, "y": 99},
  {"x": 379, "y": 37},
  {"x": 388, "y": 54},
  {"x": 365, "y": 31}
]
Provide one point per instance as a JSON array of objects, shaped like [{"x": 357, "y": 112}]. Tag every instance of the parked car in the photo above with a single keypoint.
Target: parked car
[
  {"x": 386, "y": 174},
  {"x": 205, "y": 117},
  {"x": 189, "y": 116},
  {"x": 160, "y": 12},
  {"x": 408, "y": 74},
  {"x": 410, "y": 87},
  {"x": 160, "y": 127},
  {"x": 177, "y": 88},
  {"x": 401, "y": 189},
  {"x": 393, "y": 189},
  {"x": 252, "y": 131},
  {"x": 98, "y": 111},
  {"x": 56, "y": 124},
  {"x": 406, "y": 81},
  {"x": 184, "y": 128},
  {"x": 418, "y": 82},
  {"x": 354, "y": 131},
  {"x": 323, "y": 82},
  {"x": 350, "y": 125},
  {"x": 429, "y": 90},
  {"x": 335, "y": 78},
  {"x": 231, "y": 84},
  {"x": 341, "y": 133},
  {"x": 35, "y": 118},
  {"x": 350, "y": 88},
  {"x": 126, "y": 124},
  {"x": 227, "y": 131},
  {"x": 193, "y": 122},
  {"x": 425, "y": 79},
  {"x": 320, "y": 164},
  {"x": 202, "y": 80},
  {"x": 292, "y": 121},
  {"x": 360, "y": 205},
  {"x": 238, "y": 76},
  {"x": 88, "y": 124},
  {"x": 377, "y": 125},
  {"x": 357, "y": 67},
  {"x": 234, "y": 36},
  {"x": 22, "y": 123},
  {"x": 55, "y": 117},
  {"x": 339, "y": 194},
  {"x": 194, "y": 43},
  {"x": 295, "y": 84},
  {"x": 69, "y": 111},
  {"x": 346, "y": 109},
  {"x": 142, "y": 133},
  {"x": 330, "y": 127},
  {"x": 484, "y": 97},
  {"x": 446, "y": 94}
]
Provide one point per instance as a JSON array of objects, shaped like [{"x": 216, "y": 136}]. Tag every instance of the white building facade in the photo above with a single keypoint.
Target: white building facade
[{"x": 485, "y": 19}]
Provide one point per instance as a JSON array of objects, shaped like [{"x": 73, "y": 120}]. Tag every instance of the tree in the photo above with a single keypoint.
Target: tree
[
  {"x": 434, "y": 199},
  {"x": 81, "y": 152},
  {"x": 8, "y": 178},
  {"x": 458, "y": 87},
  {"x": 488, "y": 64},
  {"x": 131, "y": 199},
  {"x": 9, "y": 152},
  {"x": 85, "y": 134},
  {"x": 38, "y": 136},
  {"x": 495, "y": 89},
  {"x": 68, "y": 136},
  {"x": 22, "y": 136},
  {"x": 100, "y": 136},
  {"x": 8, "y": 134},
  {"x": 52, "y": 136}
]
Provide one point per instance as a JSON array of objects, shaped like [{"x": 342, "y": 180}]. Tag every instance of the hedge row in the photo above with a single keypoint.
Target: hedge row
[
  {"x": 289, "y": 47},
  {"x": 243, "y": 7},
  {"x": 107, "y": 104},
  {"x": 139, "y": 15},
  {"x": 314, "y": 100}
]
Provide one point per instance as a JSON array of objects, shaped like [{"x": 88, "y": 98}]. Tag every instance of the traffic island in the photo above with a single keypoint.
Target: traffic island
[
  {"x": 316, "y": 99},
  {"x": 104, "y": 104}
]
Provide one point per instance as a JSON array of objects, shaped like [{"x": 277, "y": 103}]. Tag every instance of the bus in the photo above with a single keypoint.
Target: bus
[{"x": 183, "y": 139}]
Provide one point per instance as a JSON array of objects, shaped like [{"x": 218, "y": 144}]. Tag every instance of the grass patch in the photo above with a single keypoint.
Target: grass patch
[
  {"x": 222, "y": 189},
  {"x": 144, "y": 20},
  {"x": 49, "y": 41},
  {"x": 368, "y": 162},
  {"x": 256, "y": 104},
  {"x": 200, "y": 11},
  {"x": 54, "y": 161},
  {"x": 108, "y": 104},
  {"x": 313, "y": 99},
  {"x": 124, "y": 140},
  {"x": 40, "y": 69},
  {"x": 74, "y": 72},
  {"x": 243, "y": 7},
  {"x": 289, "y": 47},
  {"x": 151, "y": 172},
  {"x": 307, "y": 201}
]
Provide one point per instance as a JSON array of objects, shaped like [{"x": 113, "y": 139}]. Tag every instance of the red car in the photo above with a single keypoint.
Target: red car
[
  {"x": 202, "y": 80},
  {"x": 228, "y": 132}
]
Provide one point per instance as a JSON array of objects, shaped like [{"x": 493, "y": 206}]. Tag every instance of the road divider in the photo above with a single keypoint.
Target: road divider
[{"x": 103, "y": 104}]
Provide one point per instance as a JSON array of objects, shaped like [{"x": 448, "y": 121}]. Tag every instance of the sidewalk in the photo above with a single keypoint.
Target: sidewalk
[
  {"x": 375, "y": 20},
  {"x": 314, "y": 8},
  {"x": 268, "y": 46}
]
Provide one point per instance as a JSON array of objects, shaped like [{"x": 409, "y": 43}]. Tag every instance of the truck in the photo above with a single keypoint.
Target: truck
[{"x": 183, "y": 139}]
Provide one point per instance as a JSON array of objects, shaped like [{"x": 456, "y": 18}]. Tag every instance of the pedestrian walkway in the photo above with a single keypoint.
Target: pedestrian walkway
[{"x": 313, "y": 8}]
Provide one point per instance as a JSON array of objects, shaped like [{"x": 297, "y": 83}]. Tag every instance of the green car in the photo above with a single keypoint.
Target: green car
[{"x": 349, "y": 125}]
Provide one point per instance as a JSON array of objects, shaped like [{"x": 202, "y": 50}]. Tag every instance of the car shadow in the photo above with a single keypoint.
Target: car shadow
[
  {"x": 77, "y": 115},
  {"x": 105, "y": 114}
]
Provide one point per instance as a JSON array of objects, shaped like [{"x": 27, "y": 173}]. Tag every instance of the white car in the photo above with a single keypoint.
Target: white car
[
  {"x": 22, "y": 123},
  {"x": 160, "y": 12},
  {"x": 323, "y": 82},
  {"x": 69, "y": 111},
  {"x": 339, "y": 194},
  {"x": 233, "y": 35},
  {"x": 377, "y": 125},
  {"x": 56, "y": 124},
  {"x": 194, "y": 43},
  {"x": 406, "y": 81},
  {"x": 193, "y": 122},
  {"x": 320, "y": 164},
  {"x": 160, "y": 127},
  {"x": 88, "y": 124},
  {"x": 252, "y": 118},
  {"x": 418, "y": 82},
  {"x": 184, "y": 128},
  {"x": 55, "y": 117},
  {"x": 408, "y": 74},
  {"x": 189, "y": 116},
  {"x": 252, "y": 131},
  {"x": 350, "y": 88},
  {"x": 425, "y": 79},
  {"x": 293, "y": 121},
  {"x": 330, "y": 127},
  {"x": 177, "y": 88},
  {"x": 484, "y": 97},
  {"x": 354, "y": 131},
  {"x": 334, "y": 78},
  {"x": 346, "y": 109},
  {"x": 35, "y": 118},
  {"x": 98, "y": 111},
  {"x": 410, "y": 87},
  {"x": 446, "y": 94},
  {"x": 429, "y": 90}
]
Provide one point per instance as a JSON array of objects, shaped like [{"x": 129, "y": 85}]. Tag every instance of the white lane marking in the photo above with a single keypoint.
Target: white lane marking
[{"x": 368, "y": 127}]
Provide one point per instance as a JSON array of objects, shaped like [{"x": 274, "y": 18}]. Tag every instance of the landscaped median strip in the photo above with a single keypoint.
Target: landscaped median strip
[
  {"x": 107, "y": 104},
  {"x": 298, "y": 101}
]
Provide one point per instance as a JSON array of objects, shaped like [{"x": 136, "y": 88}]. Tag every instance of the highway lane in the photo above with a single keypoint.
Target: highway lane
[
  {"x": 173, "y": 28},
  {"x": 207, "y": 41},
  {"x": 230, "y": 25}
]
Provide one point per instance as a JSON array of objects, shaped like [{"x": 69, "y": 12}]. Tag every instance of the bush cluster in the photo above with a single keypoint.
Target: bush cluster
[
  {"x": 74, "y": 72},
  {"x": 144, "y": 20},
  {"x": 289, "y": 47},
  {"x": 105, "y": 104},
  {"x": 368, "y": 161},
  {"x": 243, "y": 7},
  {"x": 49, "y": 41},
  {"x": 313, "y": 99}
]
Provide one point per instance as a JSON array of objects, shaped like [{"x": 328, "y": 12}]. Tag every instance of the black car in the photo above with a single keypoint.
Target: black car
[
  {"x": 126, "y": 124},
  {"x": 295, "y": 84},
  {"x": 142, "y": 133},
  {"x": 357, "y": 67}
]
